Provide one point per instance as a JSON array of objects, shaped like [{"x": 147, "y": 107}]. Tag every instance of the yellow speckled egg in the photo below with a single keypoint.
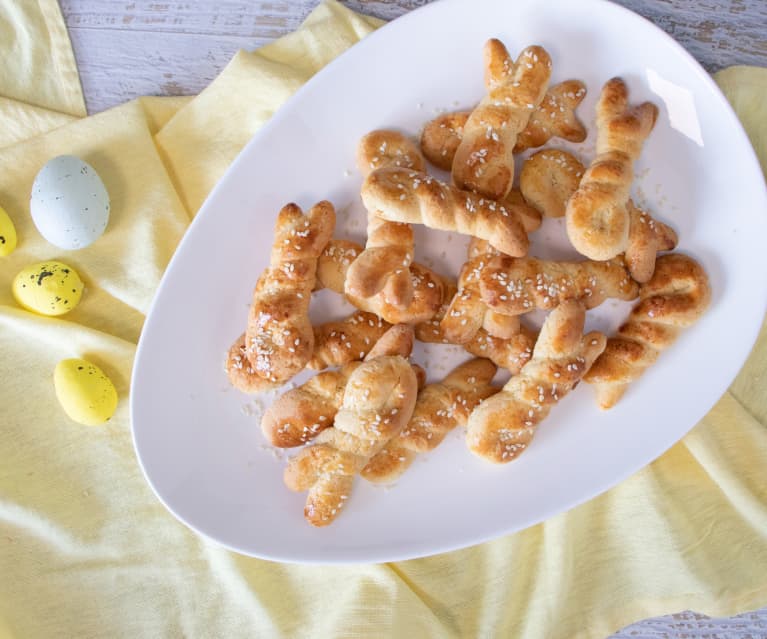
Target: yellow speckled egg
[
  {"x": 48, "y": 288},
  {"x": 85, "y": 393},
  {"x": 7, "y": 234}
]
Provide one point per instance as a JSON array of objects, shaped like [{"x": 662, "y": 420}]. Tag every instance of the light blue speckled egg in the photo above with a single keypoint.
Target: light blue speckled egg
[{"x": 69, "y": 203}]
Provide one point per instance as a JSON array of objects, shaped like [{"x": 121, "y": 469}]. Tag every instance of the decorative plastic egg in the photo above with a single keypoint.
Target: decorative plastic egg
[
  {"x": 48, "y": 288},
  {"x": 69, "y": 203},
  {"x": 85, "y": 393},
  {"x": 7, "y": 234}
]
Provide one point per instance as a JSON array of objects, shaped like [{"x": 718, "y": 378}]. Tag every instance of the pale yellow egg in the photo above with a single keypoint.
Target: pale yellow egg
[
  {"x": 48, "y": 288},
  {"x": 7, "y": 234},
  {"x": 85, "y": 393}
]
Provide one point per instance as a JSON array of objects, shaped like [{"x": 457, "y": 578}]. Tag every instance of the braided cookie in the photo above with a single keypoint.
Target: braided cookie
[
  {"x": 378, "y": 402},
  {"x": 467, "y": 313},
  {"x": 597, "y": 217},
  {"x": 438, "y": 410},
  {"x": 511, "y": 353},
  {"x": 529, "y": 216},
  {"x": 548, "y": 179},
  {"x": 496, "y": 324},
  {"x": 646, "y": 237},
  {"x": 514, "y": 286},
  {"x": 301, "y": 413},
  {"x": 383, "y": 265},
  {"x": 240, "y": 371},
  {"x": 675, "y": 297},
  {"x": 279, "y": 340},
  {"x": 402, "y": 195},
  {"x": 427, "y": 286},
  {"x": 337, "y": 343},
  {"x": 441, "y": 137},
  {"x": 484, "y": 160},
  {"x": 502, "y": 427},
  {"x": 554, "y": 118}
]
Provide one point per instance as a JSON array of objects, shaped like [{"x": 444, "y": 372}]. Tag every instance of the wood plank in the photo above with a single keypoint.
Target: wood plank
[
  {"x": 260, "y": 19},
  {"x": 128, "y": 48},
  {"x": 119, "y": 65}
]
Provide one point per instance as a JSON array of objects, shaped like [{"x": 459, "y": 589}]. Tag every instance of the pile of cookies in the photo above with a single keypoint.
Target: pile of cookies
[{"x": 371, "y": 413}]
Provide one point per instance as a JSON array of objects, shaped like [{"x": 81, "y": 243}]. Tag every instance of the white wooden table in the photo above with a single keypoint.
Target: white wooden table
[{"x": 130, "y": 48}]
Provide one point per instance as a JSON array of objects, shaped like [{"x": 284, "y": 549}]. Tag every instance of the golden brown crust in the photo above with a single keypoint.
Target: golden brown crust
[
  {"x": 548, "y": 179},
  {"x": 502, "y": 427},
  {"x": 337, "y": 343},
  {"x": 385, "y": 147},
  {"x": 389, "y": 249},
  {"x": 597, "y": 217},
  {"x": 442, "y": 136},
  {"x": 439, "y": 409},
  {"x": 514, "y": 286},
  {"x": 675, "y": 297},
  {"x": 484, "y": 160},
  {"x": 646, "y": 237},
  {"x": 279, "y": 338},
  {"x": 402, "y": 195},
  {"x": 301, "y": 413},
  {"x": 554, "y": 117},
  {"x": 378, "y": 401},
  {"x": 240, "y": 371},
  {"x": 511, "y": 353},
  {"x": 334, "y": 263},
  {"x": 529, "y": 216},
  {"x": 467, "y": 313}
]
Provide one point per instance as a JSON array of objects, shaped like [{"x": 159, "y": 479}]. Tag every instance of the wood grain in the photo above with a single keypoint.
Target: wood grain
[{"x": 130, "y": 48}]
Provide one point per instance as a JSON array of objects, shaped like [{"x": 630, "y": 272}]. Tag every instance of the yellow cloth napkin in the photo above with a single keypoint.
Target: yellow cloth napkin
[{"x": 86, "y": 550}]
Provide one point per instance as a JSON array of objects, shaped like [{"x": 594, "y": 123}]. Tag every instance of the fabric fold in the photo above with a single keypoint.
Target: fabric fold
[{"x": 86, "y": 549}]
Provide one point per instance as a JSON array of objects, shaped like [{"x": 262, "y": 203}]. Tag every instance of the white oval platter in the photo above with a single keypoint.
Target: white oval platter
[{"x": 199, "y": 441}]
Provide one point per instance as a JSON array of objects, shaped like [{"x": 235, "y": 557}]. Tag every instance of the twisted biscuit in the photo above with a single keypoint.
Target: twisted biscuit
[
  {"x": 529, "y": 216},
  {"x": 402, "y": 195},
  {"x": 378, "y": 402},
  {"x": 279, "y": 340},
  {"x": 467, "y": 313},
  {"x": 646, "y": 237},
  {"x": 334, "y": 263},
  {"x": 337, "y": 343},
  {"x": 384, "y": 147},
  {"x": 514, "y": 286},
  {"x": 300, "y": 414},
  {"x": 548, "y": 179},
  {"x": 554, "y": 118},
  {"x": 441, "y": 137},
  {"x": 597, "y": 217},
  {"x": 484, "y": 160},
  {"x": 438, "y": 410},
  {"x": 502, "y": 427},
  {"x": 240, "y": 371},
  {"x": 496, "y": 324},
  {"x": 511, "y": 353},
  {"x": 675, "y": 297},
  {"x": 384, "y": 263}
]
